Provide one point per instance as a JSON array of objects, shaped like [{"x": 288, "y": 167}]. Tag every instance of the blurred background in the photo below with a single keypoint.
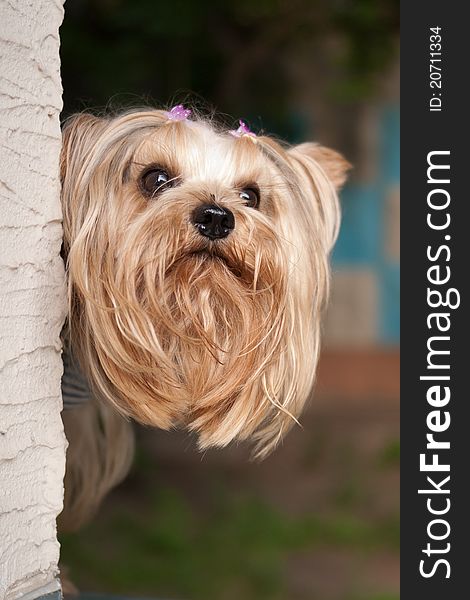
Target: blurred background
[{"x": 319, "y": 518}]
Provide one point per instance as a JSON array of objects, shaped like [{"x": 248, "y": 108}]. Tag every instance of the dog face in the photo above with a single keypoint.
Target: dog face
[{"x": 197, "y": 268}]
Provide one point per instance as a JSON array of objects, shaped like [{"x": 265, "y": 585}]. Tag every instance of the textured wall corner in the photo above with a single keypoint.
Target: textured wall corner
[{"x": 32, "y": 297}]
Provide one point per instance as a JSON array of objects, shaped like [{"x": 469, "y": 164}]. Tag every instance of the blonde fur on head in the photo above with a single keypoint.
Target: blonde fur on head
[{"x": 172, "y": 328}]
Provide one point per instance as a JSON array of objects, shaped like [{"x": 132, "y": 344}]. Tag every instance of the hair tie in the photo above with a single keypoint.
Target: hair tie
[
  {"x": 242, "y": 130},
  {"x": 178, "y": 113}
]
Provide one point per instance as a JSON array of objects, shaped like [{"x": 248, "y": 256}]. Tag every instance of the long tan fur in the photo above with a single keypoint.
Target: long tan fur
[
  {"x": 99, "y": 455},
  {"x": 171, "y": 329}
]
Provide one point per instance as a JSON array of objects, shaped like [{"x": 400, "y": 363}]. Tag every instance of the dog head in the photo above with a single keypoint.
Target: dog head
[{"x": 197, "y": 265}]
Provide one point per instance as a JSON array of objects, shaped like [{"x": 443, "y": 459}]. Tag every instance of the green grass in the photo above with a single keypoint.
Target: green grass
[
  {"x": 390, "y": 455},
  {"x": 238, "y": 550}
]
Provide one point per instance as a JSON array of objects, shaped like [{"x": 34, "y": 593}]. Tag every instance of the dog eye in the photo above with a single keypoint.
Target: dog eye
[
  {"x": 250, "y": 196},
  {"x": 155, "y": 180}
]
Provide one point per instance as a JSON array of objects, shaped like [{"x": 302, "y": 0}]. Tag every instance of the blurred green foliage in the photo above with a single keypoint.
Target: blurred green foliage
[
  {"x": 238, "y": 551},
  {"x": 390, "y": 456},
  {"x": 240, "y": 56},
  {"x": 185, "y": 530}
]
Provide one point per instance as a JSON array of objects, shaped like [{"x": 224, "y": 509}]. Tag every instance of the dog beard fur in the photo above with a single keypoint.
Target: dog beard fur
[{"x": 170, "y": 328}]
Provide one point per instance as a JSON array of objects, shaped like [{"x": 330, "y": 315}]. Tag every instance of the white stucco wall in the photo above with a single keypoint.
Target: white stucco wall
[{"x": 32, "y": 297}]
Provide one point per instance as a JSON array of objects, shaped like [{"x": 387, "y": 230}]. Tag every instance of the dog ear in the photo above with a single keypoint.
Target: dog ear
[
  {"x": 334, "y": 165},
  {"x": 322, "y": 172},
  {"x": 76, "y": 130},
  {"x": 79, "y": 134}
]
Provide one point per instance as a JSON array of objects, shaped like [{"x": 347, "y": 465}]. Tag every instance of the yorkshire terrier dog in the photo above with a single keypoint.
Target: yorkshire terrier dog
[{"x": 197, "y": 265}]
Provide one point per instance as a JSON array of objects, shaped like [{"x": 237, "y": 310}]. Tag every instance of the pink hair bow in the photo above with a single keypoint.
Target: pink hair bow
[
  {"x": 178, "y": 113},
  {"x": 242, "y": 130}
]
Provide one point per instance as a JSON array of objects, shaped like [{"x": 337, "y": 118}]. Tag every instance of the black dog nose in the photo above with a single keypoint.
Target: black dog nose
[{"x": 213, "y": 221}]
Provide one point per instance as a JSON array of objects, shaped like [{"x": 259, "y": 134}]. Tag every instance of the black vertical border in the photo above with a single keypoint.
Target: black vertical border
[{"x": 423, "y": 131}]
